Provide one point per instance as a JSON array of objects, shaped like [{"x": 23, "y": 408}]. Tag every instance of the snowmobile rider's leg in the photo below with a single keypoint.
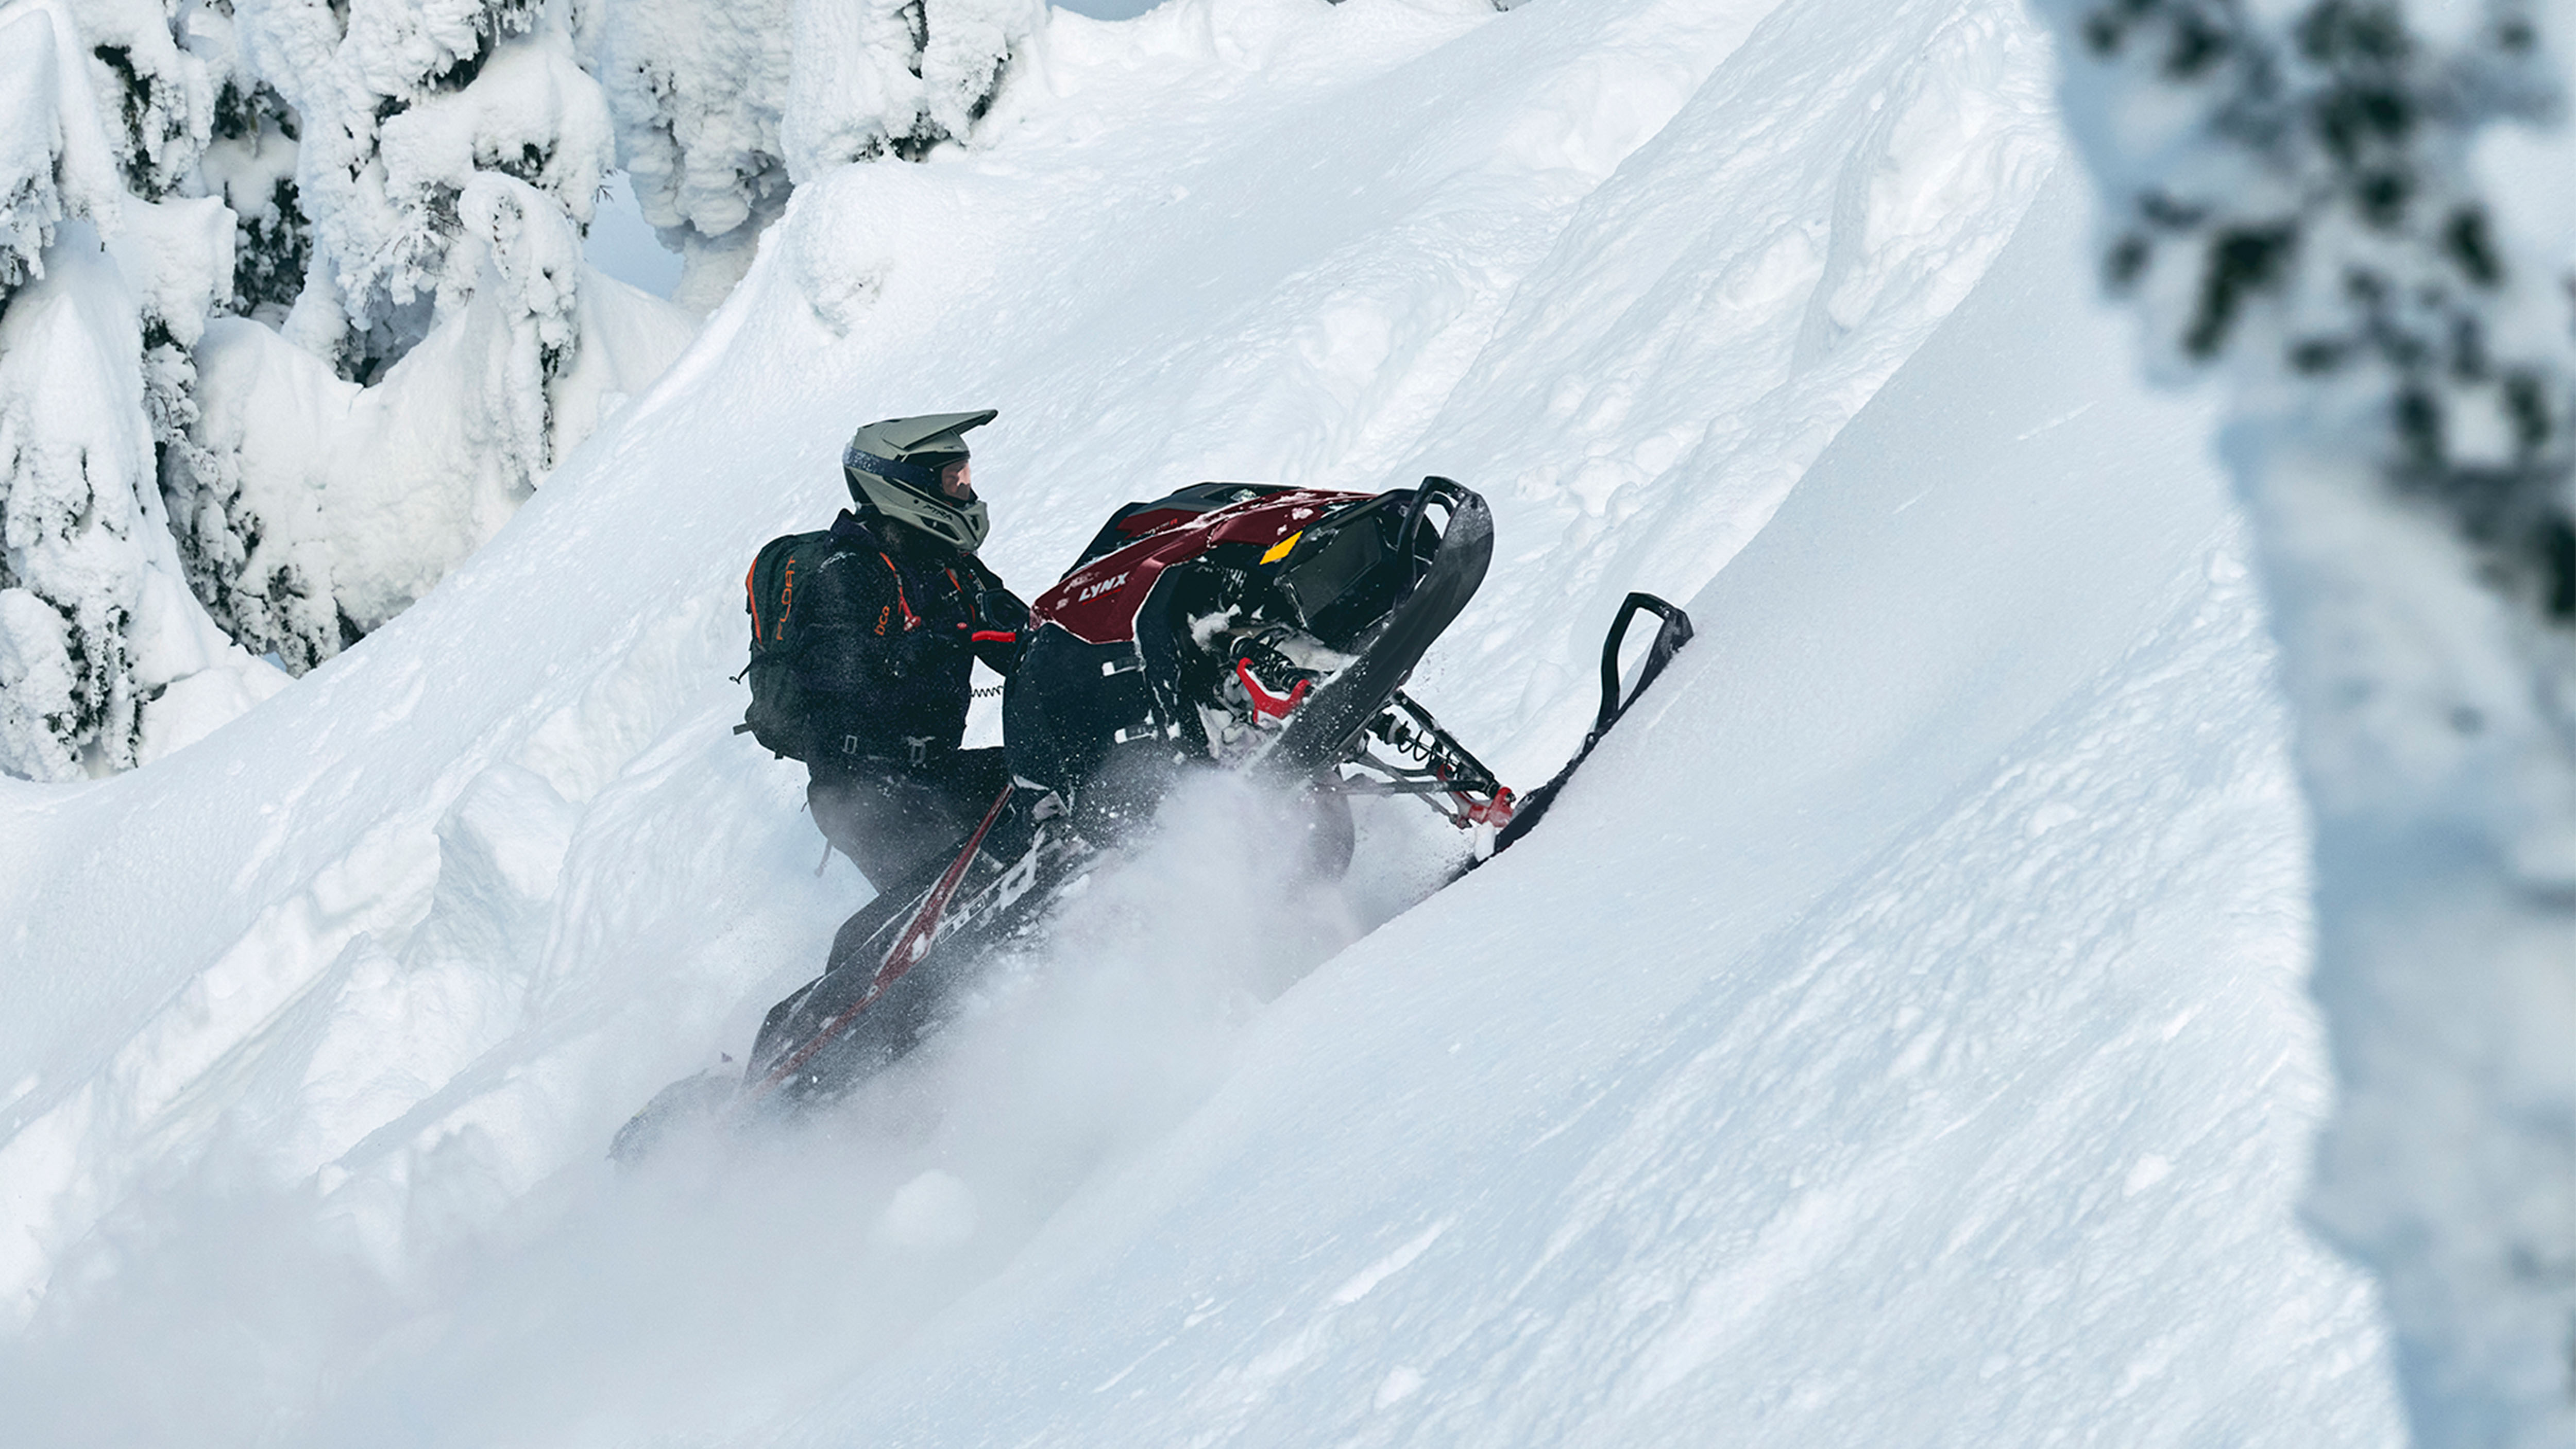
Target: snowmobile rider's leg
[{"x": 891, "y": 819}]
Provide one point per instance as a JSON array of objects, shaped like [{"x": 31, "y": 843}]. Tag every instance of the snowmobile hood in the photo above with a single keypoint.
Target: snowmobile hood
[{"x": 1097, "y": 603}]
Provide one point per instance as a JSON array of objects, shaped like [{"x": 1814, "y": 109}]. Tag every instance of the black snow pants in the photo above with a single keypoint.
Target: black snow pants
[{"x": 892, "y": 819}]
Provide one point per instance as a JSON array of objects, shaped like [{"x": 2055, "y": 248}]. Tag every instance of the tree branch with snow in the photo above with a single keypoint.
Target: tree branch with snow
[
  {"x": 107, "y": 275},
  {"x": 2328, "y": 207}
]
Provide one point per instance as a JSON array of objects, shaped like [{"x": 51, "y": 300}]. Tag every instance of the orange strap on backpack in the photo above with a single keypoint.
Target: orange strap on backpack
[{"x": 911, "y": 620}]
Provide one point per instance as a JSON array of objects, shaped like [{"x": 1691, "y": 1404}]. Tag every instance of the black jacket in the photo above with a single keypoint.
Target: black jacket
[{"x": 897, "y": 620}]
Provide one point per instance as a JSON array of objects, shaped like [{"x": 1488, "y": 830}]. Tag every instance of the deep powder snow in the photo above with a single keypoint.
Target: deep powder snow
[{"x": 1895, "y": 1036}]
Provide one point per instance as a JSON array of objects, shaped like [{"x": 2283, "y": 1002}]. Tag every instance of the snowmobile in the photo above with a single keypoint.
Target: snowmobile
[{"x": 1229, "y": 626}]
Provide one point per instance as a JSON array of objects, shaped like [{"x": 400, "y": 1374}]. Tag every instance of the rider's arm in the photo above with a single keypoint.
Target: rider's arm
[{"x": 1001, "y": 623}]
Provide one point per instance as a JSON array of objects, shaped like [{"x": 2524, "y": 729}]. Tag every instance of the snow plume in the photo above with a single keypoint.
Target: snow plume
[
  {"x": 2325, "y": 201},
  {"x": 722, "y": 110},
  {"x": 685, "y": 1299}
]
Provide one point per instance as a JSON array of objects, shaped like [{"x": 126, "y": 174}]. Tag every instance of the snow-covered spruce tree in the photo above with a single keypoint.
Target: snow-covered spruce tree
[
  {"x": 249, "y": 162},
  {"x": 2319, "y": 202},
  {"x": 392, "y": 193},
  {"x": 183, "y": 119},
  {"x": 722, "y": 110},
  {"x": 447, "y": 154},
  {"x": 107, "y": 273},
  {"x": 400, "y": 103}
]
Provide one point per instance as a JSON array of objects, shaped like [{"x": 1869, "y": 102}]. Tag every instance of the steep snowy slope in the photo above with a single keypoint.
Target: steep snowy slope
[
  {"x": 1894, "y": 1040},
  {"x": 1896, "y": 1035}
]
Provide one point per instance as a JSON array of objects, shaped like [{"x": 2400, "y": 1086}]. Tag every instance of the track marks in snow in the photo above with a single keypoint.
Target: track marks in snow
[
  {"x": 1365, "y": 1282},
  {"x": 1235, "y": 1396},
  {"x": 174, "y": 1079}
]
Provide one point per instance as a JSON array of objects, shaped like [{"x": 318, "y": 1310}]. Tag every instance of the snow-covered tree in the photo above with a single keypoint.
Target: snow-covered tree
[
  {"x": 154, "y": 100},
  {"x": 447, "y": 153},
  {"x": 107, "y": 275},
  {"x": 450, "y": 152},
  {"x": 387, "y": 197},
  {"x": 400, "y": 103},
  {"x": 2318, "y": 202},
  {"x": 249, "y": 162},
  {"x": 722, "y": 110},
  {"x": 323, "y": 507}
]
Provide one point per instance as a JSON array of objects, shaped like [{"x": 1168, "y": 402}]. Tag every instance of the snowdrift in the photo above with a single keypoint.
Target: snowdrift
[{"x": 1895, "y": 1035}]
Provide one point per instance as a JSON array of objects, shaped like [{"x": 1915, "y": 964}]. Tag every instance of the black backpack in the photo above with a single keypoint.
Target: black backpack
[{"x": 779, "y": 716}]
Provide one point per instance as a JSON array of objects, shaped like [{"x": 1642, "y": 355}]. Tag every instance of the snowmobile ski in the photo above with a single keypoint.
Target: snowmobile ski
[{"x": 1670, "y": 635}]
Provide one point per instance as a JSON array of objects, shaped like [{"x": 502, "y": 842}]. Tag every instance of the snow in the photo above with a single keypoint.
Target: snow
[
  {"x": 2398, "y": 372},
  {"x": 30, "y": 142},
  {"x": 98, "y": 627},
  {"x": 721, "y": 111},
  {"x": 1107, "y": 9},
  {"x": 1894, "y": 1035},
  {"x": 112, "y": 264},
  {"x": 318, "y": 500},
  {"x": 1829, "y": 1158}
]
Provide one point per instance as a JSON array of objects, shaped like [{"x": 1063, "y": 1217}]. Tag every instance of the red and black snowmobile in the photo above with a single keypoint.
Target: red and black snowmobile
[{"x": 1233, "y": 626}]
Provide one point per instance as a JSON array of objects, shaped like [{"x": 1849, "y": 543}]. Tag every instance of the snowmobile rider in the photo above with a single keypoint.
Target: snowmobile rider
[{"x": 900, "y": 612}]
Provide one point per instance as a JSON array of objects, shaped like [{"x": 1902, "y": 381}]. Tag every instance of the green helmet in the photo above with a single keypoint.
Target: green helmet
[{"x": 893, "y": 467}]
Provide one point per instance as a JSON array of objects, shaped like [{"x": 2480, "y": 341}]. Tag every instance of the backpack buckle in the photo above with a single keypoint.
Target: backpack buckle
[{"x": 919, "y": 746}]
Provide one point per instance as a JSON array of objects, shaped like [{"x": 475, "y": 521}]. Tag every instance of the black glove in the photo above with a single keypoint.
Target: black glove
[{"x": 1001, "y": 631}]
